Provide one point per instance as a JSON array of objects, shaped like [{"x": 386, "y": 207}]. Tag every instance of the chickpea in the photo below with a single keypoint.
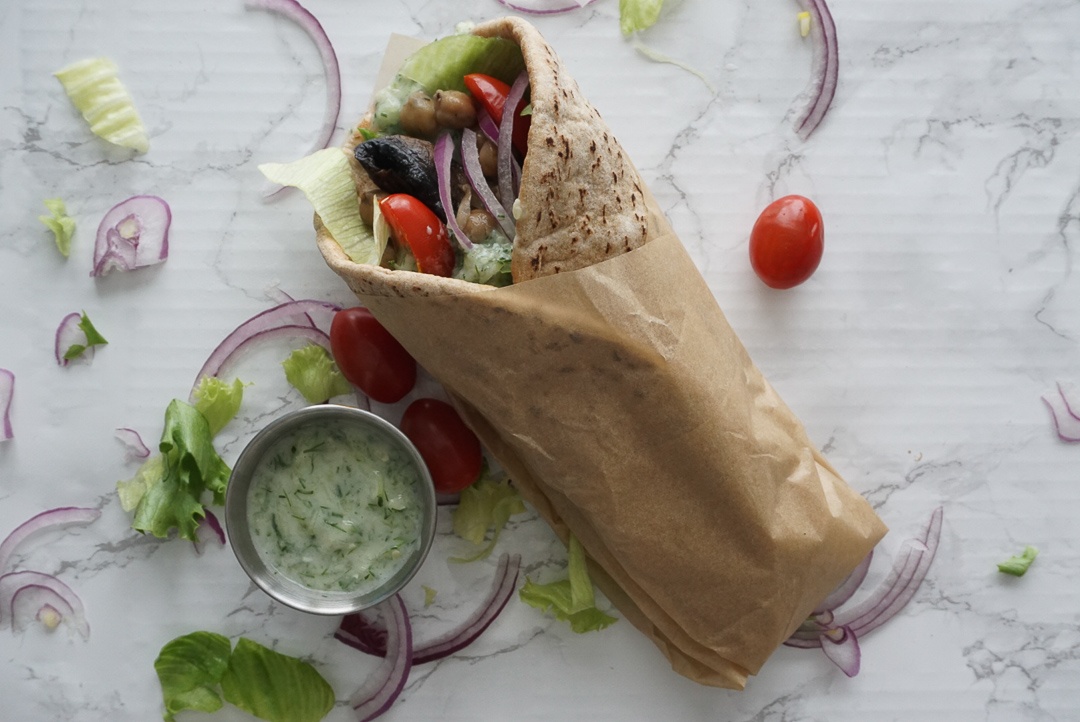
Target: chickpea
[
  {"x": 418, "y": 115},
  {"x": 479, "y": 224},
  {"x": 489, "y": 157},
  {"x": 454, "y": 109}
]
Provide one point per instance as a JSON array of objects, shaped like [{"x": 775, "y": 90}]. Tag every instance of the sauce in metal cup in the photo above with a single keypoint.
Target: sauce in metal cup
[{"x": 330, "y": 509}]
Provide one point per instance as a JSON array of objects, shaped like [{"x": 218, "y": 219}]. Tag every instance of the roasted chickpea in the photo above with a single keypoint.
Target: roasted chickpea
[
  {"x": 418, "y": 115},
  {"x": 489, "y": 157},
  {"x": 454, "y": 109},
  {"x": 479, "y": 224}
]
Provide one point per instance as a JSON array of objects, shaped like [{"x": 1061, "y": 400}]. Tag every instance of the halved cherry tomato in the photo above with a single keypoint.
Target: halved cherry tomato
[
  {"x": 492, "y": 92},
  {"x": 449, "y": 447},
  {"x": 416, "y": 226},
  {"x": 787, "y": 241},
  {"x": 369, "y": 357}
]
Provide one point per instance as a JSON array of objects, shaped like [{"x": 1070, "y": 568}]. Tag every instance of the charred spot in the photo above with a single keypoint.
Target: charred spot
[
  {"x": 539, "y": 215},
  {"x": 582, "y": 192},
  {"x": 592, "y": 146},
  {"x": 549, "y": 141},
  {"x": 607, "y": 247},
  {"x": 614, "y": 177}
]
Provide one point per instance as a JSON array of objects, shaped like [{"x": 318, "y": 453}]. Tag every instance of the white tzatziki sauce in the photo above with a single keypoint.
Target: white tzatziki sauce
[{"x": 335, "y": 507}]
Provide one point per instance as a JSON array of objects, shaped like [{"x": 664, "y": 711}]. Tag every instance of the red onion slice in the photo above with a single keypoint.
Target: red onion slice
[
  {"x": 847, "y": 588},
  {"x": 841, "y": 646},
  {"x": 368, "y": 636},
  {"x": 383, "y": 687},
  {"x": 470, "y": 159},
  {"x": 134, "y": 233},
  {"x": 7, "y": 393},
  {"x": 12, "y": 583},
  {"x": 826, "y": 67},
  {"x": 1066, "y": 421},
  {"x": 67, "y": 335},
  {"x": 444, "y": 156},
  {"x": 279, "y": 316},
  {"x": 35, "y": 602},
  {"x": 51, "y": 519},
  {"x": 506, "y": 140},
  {"x": 209, "y": 529},
  {"x": 133, "y": 443},
  {"x": 295, "y": 12},
  {"x": 542, "y": 8},
  {"x": 487, "y": 126}
]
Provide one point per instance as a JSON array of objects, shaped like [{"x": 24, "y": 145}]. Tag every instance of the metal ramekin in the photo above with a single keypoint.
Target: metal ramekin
[{"x": 268, "y": 579}]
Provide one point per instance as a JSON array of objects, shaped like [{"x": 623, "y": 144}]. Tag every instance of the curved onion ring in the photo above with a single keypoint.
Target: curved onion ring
[
  {"x": 38, "y": 602},
  {"x": 298, "y": 14},
  {"x": 13, "y": 583},
  {"x": 7, "y": 392},
  {"x": 847, "y": 588},
  {"x": 133, "y": 442},
  {"x": 134, "y": 233},
  {"x": 569, "y": 6},
  {"x": 50, "y": 519},
  {"x": 67, "y": 335},
  {"x": 507, "y": 194},
  {"x": 826, "y": 70},
  {"x": 383, "y": 687},
  {"x": 209, "y": 529},
  {"x": 444, "y": 156}
]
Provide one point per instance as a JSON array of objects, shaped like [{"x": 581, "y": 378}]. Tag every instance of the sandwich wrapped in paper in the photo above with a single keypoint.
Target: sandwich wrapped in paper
[{"x": 608, "y": 382}]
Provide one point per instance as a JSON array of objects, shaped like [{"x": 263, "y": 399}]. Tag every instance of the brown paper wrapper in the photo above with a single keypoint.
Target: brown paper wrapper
[{"x": 627, "y": 410}]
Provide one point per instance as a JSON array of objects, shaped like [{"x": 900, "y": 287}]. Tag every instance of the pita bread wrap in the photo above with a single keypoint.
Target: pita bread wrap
[{"x": 609, "y": 384}]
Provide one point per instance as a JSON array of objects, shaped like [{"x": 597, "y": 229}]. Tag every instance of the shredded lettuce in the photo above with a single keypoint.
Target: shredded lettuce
[
  {"x": 270, "y": 685},
  {"x": 60, "y": 223},
  {"x": 314, "y": 374},
  {"x": 443, "y": 65},
  {"x": 571, "y": 599},
  {"x": 637, "y": 15},
  {"x": 1017, "y": 565},
  {"x": 167, "y": 491},
  {"x": 97, "y": 93},
  {"x": 218, "y": 401},
  {"x": 93, "y": 338},
  {"x": 326, "y": 179},
  {"x": 488, "y": 262},
  {"x": 429, "y": 595},
  {"x": 486, "y": 505}
]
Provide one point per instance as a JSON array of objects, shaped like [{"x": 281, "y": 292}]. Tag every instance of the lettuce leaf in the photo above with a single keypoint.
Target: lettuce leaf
[
  {"x": 1018, "y": 564},
  {"x": 314, "y": 374},
  {"x": 218, "y": 401},
  {"x": 637, "y": 15},
  {"x": 486, "y": 505},
  {"x": 571, "y": 599},
  {"x": 60, "y": 223},
  {"x": 93, "y": 338},
  {"x": 97, "y": 93},
  {"x": 326, "y": 179},
  {"x": 190, "y": 466},
  {"x": 270, "y": 685}
]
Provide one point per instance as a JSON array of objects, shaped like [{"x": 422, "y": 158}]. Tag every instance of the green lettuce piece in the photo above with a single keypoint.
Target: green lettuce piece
[
  {"x": 218, "y": 401},
  {"x": 488, "y": 262},
  {"x": 571, "y": 599},
  {"x": 190, "y": 669},
  {"x": 1017, "y": 565},
  {"x": 486, "y": 505},
  {"x": 60, "y": 223},
  {"x": 314, "y": 374},
  {"x": 275, "y": 687},
  {"x": 268, "y": 684},
  {"x": 443, "y": 65},
  {"x": 637, "y": 15},
  {"x": 190, "y": 467},
  {"x": 429, "y": 595},
  {"x": 326, "y": 179},
  {"x": 97, "y": 93},
  {"x": 93, "y": 338},
  {"x": 131, "y": 491}
]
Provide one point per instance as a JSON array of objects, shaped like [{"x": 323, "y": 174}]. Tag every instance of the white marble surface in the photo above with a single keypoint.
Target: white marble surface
[{"x": 948, "y": 173}]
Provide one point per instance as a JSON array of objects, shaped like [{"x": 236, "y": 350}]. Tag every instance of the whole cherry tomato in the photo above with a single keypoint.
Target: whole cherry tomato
[
  {"x": 369, "y": 357},
  {"x": 787, "y": 241},
  {"x": 449, "y": 447},
  {"x": 418, "y": 227},
  {"x": 492, "y": 92}
]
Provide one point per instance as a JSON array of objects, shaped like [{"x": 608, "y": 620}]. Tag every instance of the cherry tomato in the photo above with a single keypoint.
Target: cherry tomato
[
  {"x": 418, "y": 227},
  {"x": 449, "y": 447},
  {"x": 369, "y": 357},
  {"x": 787, "y": 242},
  {"x": 492, "y": 93}
]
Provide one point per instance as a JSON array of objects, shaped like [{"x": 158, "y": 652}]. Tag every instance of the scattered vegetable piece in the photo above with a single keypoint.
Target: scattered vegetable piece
[
  {"x": 542, "y": 8},
  {"x": 450, "y": 449},
  {"x": 638, "y": 15},
  {"x": 1066, "y": 421},
  {"x": 787, "y": 242},
  {"x": 133, "y": 234},
  {"x": 75, "y": 336},
  {"x": 486, "y": 505},
  {"x": 826, "y": 67},
  {"x": 804, "y": 23},
  {"x": 570, "y": 599},
  {"x": 209, "y": 529},
  {"x": 298, "y": 14},
  {"x": 218, "y": 401},
  {"x": 313, "y": 373},
  {"x": 7, "y": 394},
  {"x": 133, "y": 442},
  {"x": 95, "y": 88},
  {"x": 60, "y": 223},
  {"x": 24, "y": 593},
  {"x": 657, "y": 57},
  {"x": 270, "y": 685},
  {"x": 1017, "y": 565},
  {"x": 837, "y": 633},
  {"x": 383, "y": 687},
  {"x": 370, "y": 357},
  {"x": 429, "y": 595}
]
